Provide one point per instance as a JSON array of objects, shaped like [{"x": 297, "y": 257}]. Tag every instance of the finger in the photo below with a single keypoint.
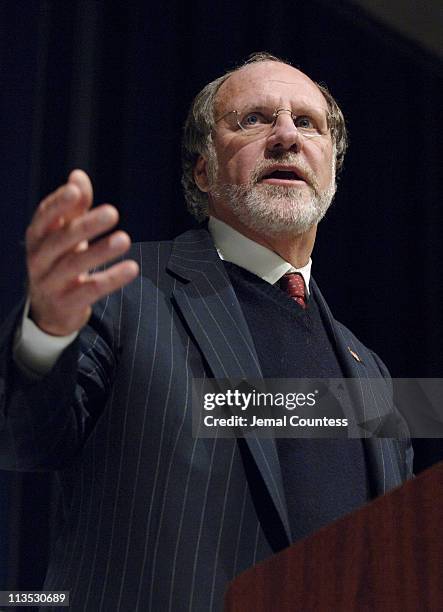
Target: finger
[
  {"x": 82, "y": 246},
  {"x": 99, "y": 284},
  {"x": 90, "y": 225},
  {"x": 80, "y": 179},
  {"x": 62, "y": 204},
  {"x": 75, "y": 263}
]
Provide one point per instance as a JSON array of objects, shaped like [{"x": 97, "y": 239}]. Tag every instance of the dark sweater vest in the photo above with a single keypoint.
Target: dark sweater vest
[{"x": 323, "y": 478}]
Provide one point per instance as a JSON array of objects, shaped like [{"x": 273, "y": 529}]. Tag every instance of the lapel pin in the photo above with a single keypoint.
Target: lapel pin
[{"x": 354, "y": 354}]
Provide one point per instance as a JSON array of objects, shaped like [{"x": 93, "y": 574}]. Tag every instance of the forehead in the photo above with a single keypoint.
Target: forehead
[{"x": 268, "y": 81}]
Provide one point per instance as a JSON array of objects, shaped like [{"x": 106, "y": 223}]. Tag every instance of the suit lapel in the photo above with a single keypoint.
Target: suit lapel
[
  {"x": 210, "y": 307},
  {"x": 371, "y": 404}
]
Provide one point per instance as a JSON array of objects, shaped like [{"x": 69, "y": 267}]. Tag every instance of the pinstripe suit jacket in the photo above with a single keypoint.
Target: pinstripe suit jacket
[{"x": 153, "y": 518}]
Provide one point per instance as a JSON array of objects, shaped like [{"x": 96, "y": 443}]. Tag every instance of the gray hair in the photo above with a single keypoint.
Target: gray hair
[{"x": 200, "y": 124}]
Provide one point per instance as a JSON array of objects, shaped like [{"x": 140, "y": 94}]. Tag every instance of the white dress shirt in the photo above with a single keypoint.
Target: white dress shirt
[{"x": 244, "y": 252}]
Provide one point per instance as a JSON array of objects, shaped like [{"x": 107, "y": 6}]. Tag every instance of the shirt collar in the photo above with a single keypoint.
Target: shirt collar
[{"x": 233, "y": 246}]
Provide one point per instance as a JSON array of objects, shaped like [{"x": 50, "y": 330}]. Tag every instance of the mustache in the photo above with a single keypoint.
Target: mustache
[{"x": 289, "y": 159}]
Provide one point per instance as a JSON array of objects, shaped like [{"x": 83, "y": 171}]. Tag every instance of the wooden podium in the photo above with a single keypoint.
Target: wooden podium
[{"x": 386, "y": 556}]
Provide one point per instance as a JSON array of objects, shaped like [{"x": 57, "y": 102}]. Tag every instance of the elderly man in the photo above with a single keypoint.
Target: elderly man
[{"x": 100, "y": 386}]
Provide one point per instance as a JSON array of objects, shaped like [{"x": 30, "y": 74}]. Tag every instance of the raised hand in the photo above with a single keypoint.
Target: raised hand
[{"x": 59, "y": 257}]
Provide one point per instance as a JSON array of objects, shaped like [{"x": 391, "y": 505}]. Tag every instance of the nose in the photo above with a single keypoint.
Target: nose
[{"x": 284, "y": 135}]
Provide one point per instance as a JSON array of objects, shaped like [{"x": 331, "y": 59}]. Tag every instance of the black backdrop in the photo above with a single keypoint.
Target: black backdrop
[{"x": 105, "y": 86}]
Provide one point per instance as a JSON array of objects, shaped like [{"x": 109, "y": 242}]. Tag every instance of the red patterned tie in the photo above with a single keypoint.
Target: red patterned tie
[{"x": 294, "y": 285}]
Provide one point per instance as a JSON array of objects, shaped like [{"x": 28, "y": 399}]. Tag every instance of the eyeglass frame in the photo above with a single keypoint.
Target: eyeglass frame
[{"x": 275, "y": 115}]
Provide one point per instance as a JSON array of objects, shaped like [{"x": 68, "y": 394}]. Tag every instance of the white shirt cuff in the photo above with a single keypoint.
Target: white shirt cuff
[{"x": 35, "y": 352}]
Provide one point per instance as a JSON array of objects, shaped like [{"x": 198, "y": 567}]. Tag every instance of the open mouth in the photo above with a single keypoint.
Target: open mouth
[{"x": 280, "y": 176}]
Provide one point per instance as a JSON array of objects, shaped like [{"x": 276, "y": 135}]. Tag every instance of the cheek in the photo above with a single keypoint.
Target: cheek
[
  {"x": 239, "y": 169},
  {"x": 327, "y": 167},
  {"x": 322, "y": 163},
  {"x": 236, "y": 161}
]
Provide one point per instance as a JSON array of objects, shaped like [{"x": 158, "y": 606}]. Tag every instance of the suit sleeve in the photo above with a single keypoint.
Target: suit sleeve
[{"x": 45, "y": 422}]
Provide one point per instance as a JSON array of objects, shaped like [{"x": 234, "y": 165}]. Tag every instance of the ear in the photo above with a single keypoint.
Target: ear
[{"x": 201, "y": 174}]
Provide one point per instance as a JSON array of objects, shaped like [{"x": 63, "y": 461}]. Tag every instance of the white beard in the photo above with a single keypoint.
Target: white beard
[{"x": 275, "y": 209}]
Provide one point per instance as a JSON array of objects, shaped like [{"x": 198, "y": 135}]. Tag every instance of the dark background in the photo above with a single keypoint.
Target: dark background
[{"x": 105, "y": 86}]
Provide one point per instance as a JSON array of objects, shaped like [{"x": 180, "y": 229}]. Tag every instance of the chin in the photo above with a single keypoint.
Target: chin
[
  {"x": 276, "y": 209},
  {"x": 281, "y": 214},
  {"x": 280, "y": 224}
]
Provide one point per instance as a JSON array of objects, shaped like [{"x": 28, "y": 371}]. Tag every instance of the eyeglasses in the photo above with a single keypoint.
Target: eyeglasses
[{"x": 259, "y": 121}]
